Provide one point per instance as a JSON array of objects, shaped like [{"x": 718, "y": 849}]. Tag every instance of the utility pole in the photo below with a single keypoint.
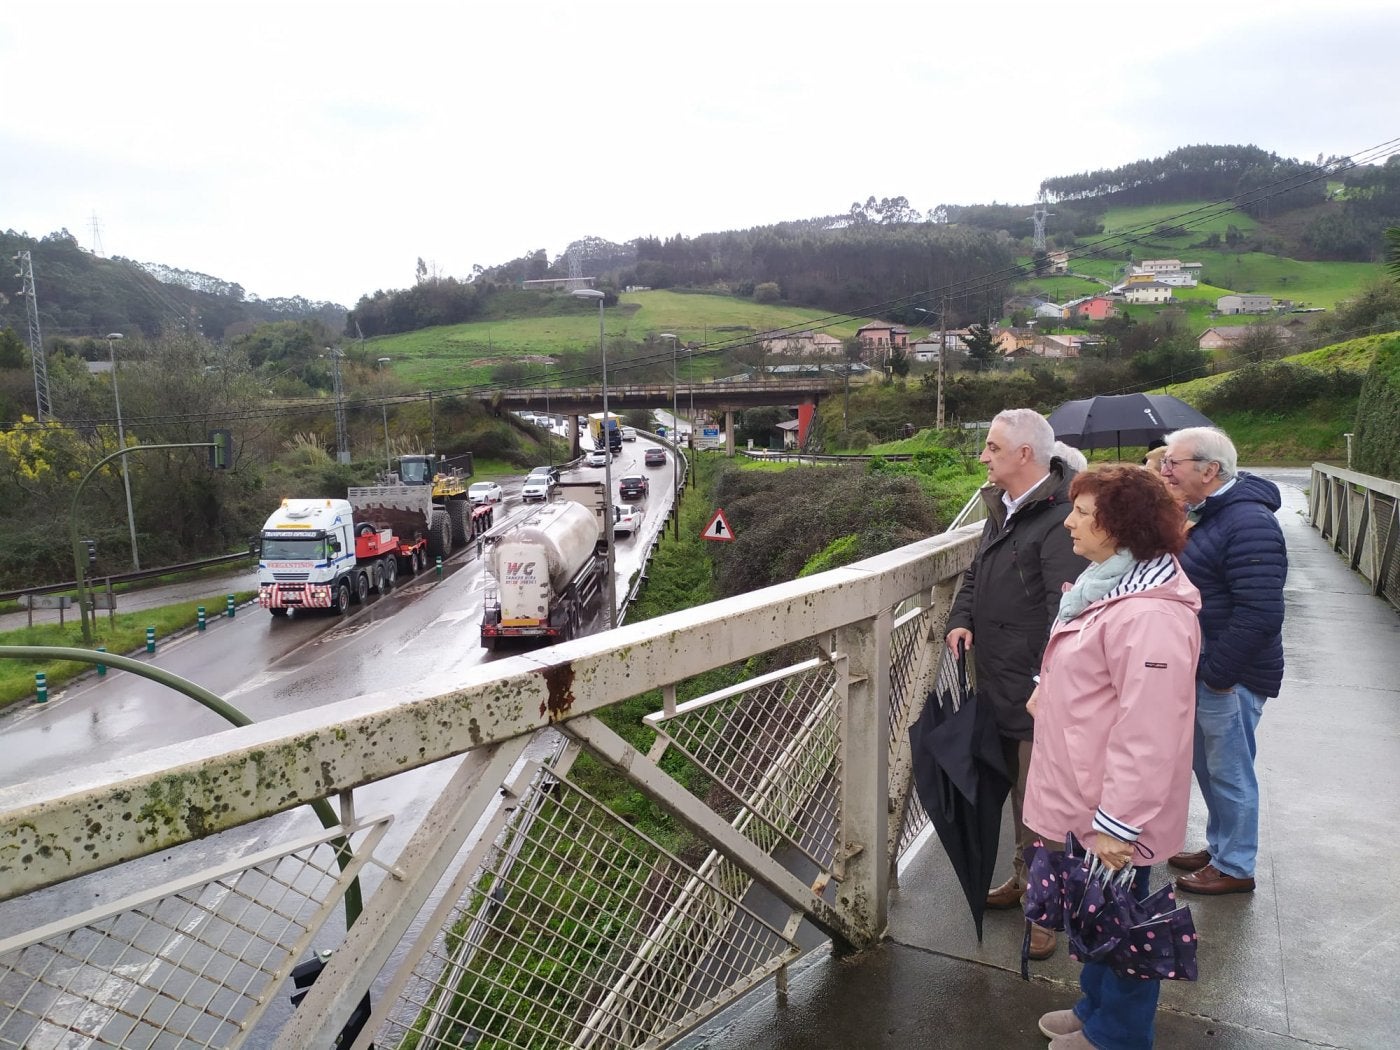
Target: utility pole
[
  {"x": 43, "y": 409},
  {"x": 942, "y": 353},
  {"x": 342, "y": 439}
]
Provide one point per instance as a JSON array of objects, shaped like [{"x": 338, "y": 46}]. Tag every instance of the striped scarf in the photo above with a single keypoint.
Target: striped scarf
[{"x": 1119, "y": 574}]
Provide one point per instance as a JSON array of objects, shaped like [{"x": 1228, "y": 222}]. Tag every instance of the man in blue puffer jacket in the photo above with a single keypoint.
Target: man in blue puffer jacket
[{"x": 1236, "y": 557}]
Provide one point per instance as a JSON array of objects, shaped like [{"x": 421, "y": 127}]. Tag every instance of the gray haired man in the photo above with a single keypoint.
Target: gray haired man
[{"x": 1009, "y": 599}]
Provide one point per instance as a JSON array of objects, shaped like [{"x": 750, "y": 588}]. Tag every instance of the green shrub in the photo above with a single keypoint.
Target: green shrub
[
  {"x": 1376, "y": 444},
  {"x": 1278, "y": 387},
  {"x": 767, "y": 292}
]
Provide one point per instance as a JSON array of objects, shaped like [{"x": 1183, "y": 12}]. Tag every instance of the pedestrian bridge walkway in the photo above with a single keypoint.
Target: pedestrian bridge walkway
[{"x": 1311, "y": 959}]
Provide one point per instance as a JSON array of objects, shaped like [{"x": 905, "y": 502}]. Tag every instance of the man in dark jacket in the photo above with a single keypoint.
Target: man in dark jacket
[
  {"x": 1009, "y": 598},
  {"x": 1235, "y": 556}
]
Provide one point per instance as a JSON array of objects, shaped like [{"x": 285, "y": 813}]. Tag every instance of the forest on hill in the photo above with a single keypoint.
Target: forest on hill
[{"x": 83, "y": 296}]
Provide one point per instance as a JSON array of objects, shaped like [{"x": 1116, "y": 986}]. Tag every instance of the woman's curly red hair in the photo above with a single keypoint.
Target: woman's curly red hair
[{"x": 1135, "y": 507}]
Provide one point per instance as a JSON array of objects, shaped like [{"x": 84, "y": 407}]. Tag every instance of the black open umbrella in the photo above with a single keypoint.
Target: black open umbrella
[
  {"x": 1122, "y": 419},
  {"x": 961, "y": 779}
]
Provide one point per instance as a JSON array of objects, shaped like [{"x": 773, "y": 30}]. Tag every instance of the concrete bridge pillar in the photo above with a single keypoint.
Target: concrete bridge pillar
[
  {"x": 573, "y": 435},
  {"x": 729, "y": 432}
]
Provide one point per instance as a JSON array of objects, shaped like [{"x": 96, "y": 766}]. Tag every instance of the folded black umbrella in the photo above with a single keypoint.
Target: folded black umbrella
[
  {"x": 961, "y": 780},
  {"x": 1122, "y": 419}
]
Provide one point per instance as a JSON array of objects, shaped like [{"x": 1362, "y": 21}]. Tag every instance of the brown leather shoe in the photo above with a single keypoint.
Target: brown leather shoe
[
  {"x": 1007, "y": 895},
  {"x": 1042, "y": 942},
  {"x": 1190, "y": 861},
  {"x": 1212, "y": 880}
]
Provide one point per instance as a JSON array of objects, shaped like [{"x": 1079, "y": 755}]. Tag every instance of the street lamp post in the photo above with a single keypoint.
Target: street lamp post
[
  {"x": 112, "y": 338},
  {"x": 593, "y": 293},
  {"x": 675, "y": 426}
]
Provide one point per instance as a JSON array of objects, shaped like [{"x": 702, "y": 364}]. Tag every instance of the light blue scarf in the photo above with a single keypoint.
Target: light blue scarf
[{"x": 1094, "y": 582}]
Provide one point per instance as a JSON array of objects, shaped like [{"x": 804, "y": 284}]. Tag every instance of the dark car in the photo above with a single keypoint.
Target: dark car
[
  {"x": 633, "y": 486},
  {"x": 654, "y": 457}
]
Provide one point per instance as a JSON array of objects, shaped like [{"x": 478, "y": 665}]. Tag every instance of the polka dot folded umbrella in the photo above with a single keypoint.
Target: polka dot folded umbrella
[{"x": 1158, "y": 940}]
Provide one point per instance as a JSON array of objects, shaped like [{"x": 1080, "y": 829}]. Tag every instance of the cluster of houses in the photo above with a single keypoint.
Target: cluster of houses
[{"x": 1150, "y": 281}]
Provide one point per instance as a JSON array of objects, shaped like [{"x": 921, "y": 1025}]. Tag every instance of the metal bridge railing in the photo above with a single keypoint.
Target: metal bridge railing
[
  {"x": 1360, "y": 516},
  {"x": 521, "y": 912}
]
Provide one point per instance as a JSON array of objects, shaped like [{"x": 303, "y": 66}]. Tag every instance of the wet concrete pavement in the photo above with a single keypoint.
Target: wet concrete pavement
[{"x": 1310, "y": 959}]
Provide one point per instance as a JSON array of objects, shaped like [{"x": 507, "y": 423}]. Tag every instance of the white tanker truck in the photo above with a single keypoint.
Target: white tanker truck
[{"x": 547, "y": 572}]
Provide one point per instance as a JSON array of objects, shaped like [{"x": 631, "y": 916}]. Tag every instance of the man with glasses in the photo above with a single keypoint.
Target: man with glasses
[
  {"x": 1009, "y": 599},
  {"x": 1235, "y": 556}
]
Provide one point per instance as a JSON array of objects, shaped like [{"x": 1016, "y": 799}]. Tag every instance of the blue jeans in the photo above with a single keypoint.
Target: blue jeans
[
  {"x": 1224, "y": 765},
  {"x": 1119, "y": 1013}
]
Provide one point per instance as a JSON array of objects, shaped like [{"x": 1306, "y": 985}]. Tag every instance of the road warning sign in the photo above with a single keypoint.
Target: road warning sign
[{"x": 718, "y": 528}]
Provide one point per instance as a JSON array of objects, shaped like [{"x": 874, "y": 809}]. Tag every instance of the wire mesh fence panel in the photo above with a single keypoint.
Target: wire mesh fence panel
[
  {"x": 186, "y": 964},
  {"x": 773, "y": 747},
  {"x": 579, "y": 931},
  {"x": 907, "y": 643}
]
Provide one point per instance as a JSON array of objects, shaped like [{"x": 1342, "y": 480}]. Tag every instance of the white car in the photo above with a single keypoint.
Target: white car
[
  {"x": 485, "y": 492},
  {"x": 629, "y": 433},
  {"x": 538, "y": 486},
  {"x": 626, "y": 520},
  {"x": 597, "y": 457}
]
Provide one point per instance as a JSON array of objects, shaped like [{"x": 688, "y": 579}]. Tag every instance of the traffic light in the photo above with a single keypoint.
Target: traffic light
[
  {"x": 92, "y": 552},
  {"x": 221, "y": 454}
]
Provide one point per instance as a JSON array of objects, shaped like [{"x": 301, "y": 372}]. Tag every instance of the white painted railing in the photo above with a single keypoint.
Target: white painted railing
[
  {"x": 521, "y": 908},
  {"x": 1360, "y": 515}
]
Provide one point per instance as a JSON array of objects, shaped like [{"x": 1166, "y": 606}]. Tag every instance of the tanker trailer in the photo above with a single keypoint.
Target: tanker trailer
[{"x": 546, "y": 573}]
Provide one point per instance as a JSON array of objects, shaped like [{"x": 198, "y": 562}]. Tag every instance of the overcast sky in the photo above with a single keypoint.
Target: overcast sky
[{"x": 320, "y": 149}]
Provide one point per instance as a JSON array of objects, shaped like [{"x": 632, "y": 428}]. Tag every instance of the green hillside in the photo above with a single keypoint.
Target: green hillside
[
  {"x": 1354, "y": 355},
  {"x": 1143, "y": 219},
  {"x": 1321, "y": 284},
  {"x": 457, "y": 355}
]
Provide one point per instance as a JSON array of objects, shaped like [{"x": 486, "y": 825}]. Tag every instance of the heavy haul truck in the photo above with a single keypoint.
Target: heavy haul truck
[{"x": 332, "y": 553}]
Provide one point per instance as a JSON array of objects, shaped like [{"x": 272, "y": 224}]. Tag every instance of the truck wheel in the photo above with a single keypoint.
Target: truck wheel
[
  {"x": 439, "y": 536},
  {"x": 278, "y": 614},
  {"x": 389, "y": 575},
  {"x": 361, "y": 591},
  {"x": 459, "y": 514},
  {"x": 342, "y": 598},
  {"x": 489, "y": 643}
]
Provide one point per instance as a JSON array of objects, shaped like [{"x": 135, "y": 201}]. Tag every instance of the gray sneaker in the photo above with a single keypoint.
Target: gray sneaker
[{"x": 1059, "y": 1022}]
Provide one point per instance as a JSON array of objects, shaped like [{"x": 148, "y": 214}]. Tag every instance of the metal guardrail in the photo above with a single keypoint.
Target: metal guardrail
[
  {"x": 1360, "y": 516},
  {"x": 595, "y": 934},
  {"x": 130, "y": 577}
]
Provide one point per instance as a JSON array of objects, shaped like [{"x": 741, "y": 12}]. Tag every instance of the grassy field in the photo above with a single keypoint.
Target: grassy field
[
  {"x": 465, "y": 354},
  {"x": 1141, "y": 219}
]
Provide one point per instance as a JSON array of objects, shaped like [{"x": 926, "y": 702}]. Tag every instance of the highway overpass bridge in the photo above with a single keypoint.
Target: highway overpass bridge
[{"x": 714, "y": 400}]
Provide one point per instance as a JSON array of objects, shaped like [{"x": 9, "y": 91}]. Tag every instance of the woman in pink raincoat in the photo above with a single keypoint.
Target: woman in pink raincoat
[{"x": 1115, "y": 718}]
